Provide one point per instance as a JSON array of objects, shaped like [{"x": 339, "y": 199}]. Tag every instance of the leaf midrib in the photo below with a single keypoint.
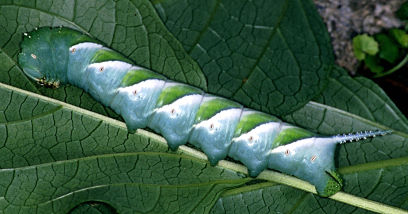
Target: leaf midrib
[{"x": 374, "y": 165}]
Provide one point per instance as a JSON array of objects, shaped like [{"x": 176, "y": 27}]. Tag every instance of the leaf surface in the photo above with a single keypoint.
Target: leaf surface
[{"x": 273, "y": 56}]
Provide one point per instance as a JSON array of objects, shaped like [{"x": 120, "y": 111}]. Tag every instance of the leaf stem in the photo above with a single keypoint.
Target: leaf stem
[
  {"x": 402, "y": 63},
  {"x": 340, "y": 196},
  {"x": 366, "y": 204}
]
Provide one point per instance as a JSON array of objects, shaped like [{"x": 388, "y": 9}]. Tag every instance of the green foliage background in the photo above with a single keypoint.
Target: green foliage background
[{"x": 274, "y": 56}]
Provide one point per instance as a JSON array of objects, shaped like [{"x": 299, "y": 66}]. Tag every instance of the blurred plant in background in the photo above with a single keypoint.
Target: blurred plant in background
[{"x": 385, "y": 52}]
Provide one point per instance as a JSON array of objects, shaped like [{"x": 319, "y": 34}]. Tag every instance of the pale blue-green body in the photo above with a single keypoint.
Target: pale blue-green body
[
  {"x": 104, "y": 85},
  {"x": 136, "y": 110},
  {"x": 78, "y": 63},
  {"x": 214, "y": 136},
  {"x": 253, "y": 148},
  {"x": 175, "y": 121}
]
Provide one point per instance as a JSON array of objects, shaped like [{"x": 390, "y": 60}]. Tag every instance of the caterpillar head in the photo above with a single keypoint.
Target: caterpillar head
[{"x": 44, "y": 54}]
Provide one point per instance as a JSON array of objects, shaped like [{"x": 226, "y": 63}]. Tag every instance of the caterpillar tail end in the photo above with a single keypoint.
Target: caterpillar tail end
[
  {"x": 360, "y": 136},
  {"x": 332, "y": 182},
  {"x": 312, "y": 159}
]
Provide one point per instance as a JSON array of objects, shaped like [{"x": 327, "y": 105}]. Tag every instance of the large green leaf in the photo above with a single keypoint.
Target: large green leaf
[
  {"x": 40, "y": 138},
  {"x": 273, "y": 56},
  {"x": 59, "y": 156}
]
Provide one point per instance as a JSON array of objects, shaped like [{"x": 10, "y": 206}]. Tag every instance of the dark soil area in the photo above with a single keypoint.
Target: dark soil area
[{"x": 396, "y": 87}]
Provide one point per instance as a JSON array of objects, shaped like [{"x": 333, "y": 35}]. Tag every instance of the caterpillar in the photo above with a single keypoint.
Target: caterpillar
[{"x": 182, "y": 113}]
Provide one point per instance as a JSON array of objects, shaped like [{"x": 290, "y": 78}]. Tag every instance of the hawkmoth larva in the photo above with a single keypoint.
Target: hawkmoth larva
[{"x": 182, "y": 113}]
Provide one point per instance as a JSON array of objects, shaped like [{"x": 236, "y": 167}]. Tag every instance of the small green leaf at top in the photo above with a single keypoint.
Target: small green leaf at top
[
  {"x": 400, "y": 36},
  {"x": 388, "y": 48},
  {"x": 364, "y": 44}
]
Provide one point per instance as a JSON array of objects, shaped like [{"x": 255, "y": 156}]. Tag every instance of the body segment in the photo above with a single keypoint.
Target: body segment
[{"x": 182, "y": 113}]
